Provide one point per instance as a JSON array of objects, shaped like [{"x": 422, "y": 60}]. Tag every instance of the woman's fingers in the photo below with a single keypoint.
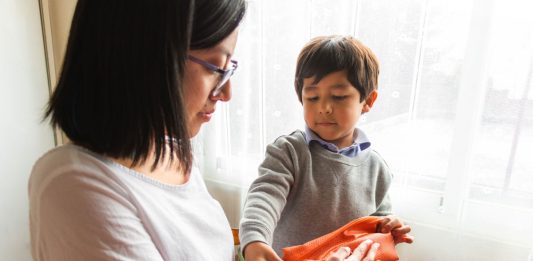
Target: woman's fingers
[
  {"x": 340, "y": 254},
  {"x": 371, "y": 254},
  {"x": 361, "y": 252}
]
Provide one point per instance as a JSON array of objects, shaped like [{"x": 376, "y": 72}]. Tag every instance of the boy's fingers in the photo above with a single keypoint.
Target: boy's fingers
[
  {"x": 401, "y": 230},
  {"x": 404, "y": 239},
  {"x": 396, "y": 227},
  {"x": 383, "y": 225},
  {"x": 388, "y": 224}
]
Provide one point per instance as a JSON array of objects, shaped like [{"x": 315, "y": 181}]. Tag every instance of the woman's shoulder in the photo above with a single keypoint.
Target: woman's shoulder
[
  {"x": 69, "y": 165},
  {"x": 67, "y": 156}
]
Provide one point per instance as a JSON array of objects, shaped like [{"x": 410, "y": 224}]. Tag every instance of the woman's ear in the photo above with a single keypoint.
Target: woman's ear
[{"x": 369, "y": 101}]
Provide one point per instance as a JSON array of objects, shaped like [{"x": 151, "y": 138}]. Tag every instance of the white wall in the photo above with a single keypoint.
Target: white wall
[
  {"x": 23, "y": 138},
  {"x": 440, "y": 244}
]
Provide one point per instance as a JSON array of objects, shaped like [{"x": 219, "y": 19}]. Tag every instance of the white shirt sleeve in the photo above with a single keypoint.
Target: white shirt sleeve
[{"x": 82, "y": 216}]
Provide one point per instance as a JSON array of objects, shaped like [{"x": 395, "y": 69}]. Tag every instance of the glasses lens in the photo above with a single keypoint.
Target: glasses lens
[{"x": 224, "y": 79}]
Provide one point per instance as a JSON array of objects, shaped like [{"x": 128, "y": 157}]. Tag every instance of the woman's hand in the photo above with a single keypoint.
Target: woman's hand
[{"x": 359, "y": 254}]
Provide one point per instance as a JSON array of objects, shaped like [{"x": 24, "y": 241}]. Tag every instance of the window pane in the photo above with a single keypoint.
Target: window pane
[
  {"x": 245, "y": 105},
  {"x": 502, "y": 168},
  {"x": 421, "y": 51},
  {"x": 329, "y": 19}
]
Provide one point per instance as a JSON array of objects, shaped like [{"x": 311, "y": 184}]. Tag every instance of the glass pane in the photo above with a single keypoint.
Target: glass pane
[
  {"x": 245, "y": 105},
  {"x": 283, "y": 37},
  {"x": 502, "y": 168},
  {"x": 392, "y": 30},
  {"x": 421, "y": 46},
  {"x": 329, "y": 19}
]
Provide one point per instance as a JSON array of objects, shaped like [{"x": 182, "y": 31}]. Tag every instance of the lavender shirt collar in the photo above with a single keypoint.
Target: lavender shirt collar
[{"x": 360, "y": 143}]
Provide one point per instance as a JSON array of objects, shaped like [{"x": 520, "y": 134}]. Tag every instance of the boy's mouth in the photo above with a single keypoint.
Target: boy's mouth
[{"x": 325, "y": 123}]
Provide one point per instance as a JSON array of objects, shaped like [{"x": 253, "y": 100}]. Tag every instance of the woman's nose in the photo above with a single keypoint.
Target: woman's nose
[{"x": 225, "y": 93}]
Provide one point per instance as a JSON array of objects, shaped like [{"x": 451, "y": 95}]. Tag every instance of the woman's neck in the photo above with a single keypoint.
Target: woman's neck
[{"x": 165, "y": 172}]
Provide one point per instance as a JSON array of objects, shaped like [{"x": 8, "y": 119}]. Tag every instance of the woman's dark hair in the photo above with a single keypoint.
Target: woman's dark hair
[
  {"x": 120, "y": 89},
  {"x": 326, "y": 54}
]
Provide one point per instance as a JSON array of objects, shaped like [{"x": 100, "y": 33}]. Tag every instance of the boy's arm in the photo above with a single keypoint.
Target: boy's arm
[
  {"x": 389, "y": 223},
  {"x": 383, "y": 201},
  {"x": 268, "y": 194},
  {"x": 259, "y": 251},
  {"x": 384, "y": 208}
]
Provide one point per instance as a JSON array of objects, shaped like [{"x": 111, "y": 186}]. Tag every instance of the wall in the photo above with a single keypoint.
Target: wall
[
  {"x": 23, "y": 138},
  {"x": 440, "y": 244}
]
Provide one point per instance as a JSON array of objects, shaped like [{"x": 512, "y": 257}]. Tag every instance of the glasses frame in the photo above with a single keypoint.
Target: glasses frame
[{"x": 225, "y": 75}]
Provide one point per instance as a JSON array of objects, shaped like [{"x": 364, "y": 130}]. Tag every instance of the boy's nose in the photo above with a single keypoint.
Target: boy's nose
[{"x": 325, "y": 108}]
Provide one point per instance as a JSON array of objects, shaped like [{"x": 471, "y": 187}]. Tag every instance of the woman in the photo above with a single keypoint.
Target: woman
[
  {"x": 138, "y": 80},
  {"x": 130, "y": 96}
]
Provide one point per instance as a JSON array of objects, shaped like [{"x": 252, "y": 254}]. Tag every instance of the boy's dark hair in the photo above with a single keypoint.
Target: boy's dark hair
[
  {"x": 326, "y": 54},
  {"x": 120, "y": 89}
]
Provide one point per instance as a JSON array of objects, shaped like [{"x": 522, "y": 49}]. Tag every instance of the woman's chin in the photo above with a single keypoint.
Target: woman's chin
[{"x": 194, "y": 129}]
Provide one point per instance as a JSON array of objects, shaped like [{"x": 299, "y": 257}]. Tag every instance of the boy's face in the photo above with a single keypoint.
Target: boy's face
[{"x": 332, "y": 107}]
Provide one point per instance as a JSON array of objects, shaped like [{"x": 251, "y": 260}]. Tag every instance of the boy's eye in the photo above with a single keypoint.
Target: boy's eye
[
  {"x": 339, "y": 98},
  {"x": 312, "y": 99}
]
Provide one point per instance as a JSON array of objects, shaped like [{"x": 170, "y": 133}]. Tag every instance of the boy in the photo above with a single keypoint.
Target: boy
[{"x": 315, "y": 181}]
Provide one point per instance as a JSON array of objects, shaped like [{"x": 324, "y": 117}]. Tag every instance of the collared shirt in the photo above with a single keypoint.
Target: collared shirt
[{"x": 359, "y": 144}]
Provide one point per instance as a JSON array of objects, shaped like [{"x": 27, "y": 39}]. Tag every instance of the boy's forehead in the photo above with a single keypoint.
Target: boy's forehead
[{"x": 338, "y": 80}]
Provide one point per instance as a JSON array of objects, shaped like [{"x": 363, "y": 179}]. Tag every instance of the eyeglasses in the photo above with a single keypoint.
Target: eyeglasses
[{"x": 224, "y": 74}]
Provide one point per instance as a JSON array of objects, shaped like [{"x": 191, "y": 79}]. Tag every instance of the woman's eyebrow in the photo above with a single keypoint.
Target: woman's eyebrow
[{"x": 223, "y": 50}]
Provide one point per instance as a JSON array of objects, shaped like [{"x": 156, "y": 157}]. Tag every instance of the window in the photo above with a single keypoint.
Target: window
[{"x": 454, "y": 116}]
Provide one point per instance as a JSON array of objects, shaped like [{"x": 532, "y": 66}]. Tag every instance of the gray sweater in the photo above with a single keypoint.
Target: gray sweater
[{"x": 305, "y": 191}]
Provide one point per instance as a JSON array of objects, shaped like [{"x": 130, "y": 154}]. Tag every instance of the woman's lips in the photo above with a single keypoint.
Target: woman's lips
[{"x": 206, "y": 116}]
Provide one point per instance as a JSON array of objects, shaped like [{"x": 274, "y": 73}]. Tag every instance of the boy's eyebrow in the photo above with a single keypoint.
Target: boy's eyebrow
[
  {"x": 335, "y": 86},
  {"x": 310, "y": 87},
  {"x": 339, "y": 85}
]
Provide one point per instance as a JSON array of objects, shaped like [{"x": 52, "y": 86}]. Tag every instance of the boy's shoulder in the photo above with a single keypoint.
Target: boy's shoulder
[
  {"x": 376, "y": 158},
  {"x": 295, "y": 141},
  {"x": 295, "y": 137}
]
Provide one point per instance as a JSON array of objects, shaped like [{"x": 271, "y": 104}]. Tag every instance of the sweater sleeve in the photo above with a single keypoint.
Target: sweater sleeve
[
  {"x": 384, "y": 181},
  {"x": 268, "y": 194},
  {"x": 80, "y": 216}
]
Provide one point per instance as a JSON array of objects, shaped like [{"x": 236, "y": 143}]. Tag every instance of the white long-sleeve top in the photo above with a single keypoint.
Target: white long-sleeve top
[{"x": 84, "y": 206}]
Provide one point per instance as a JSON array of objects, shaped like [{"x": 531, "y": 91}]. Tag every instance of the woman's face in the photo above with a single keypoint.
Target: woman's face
[{"x": 200, "y": 81}]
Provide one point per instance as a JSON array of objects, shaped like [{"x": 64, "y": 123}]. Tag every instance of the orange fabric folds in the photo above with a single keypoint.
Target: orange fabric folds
[{"x": 350, "y": 235}]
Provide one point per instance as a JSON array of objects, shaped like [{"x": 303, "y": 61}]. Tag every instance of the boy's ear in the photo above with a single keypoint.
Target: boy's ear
[{"x": 370, "y": 101}]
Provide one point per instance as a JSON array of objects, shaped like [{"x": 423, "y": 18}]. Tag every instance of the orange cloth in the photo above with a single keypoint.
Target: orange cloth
[{"x": 350, "y": 235}]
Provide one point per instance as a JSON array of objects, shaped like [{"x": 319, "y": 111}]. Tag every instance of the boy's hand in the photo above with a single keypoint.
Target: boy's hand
[
  {"x": 396, "y": 227},
  {"x": 259, "y": 251}
]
